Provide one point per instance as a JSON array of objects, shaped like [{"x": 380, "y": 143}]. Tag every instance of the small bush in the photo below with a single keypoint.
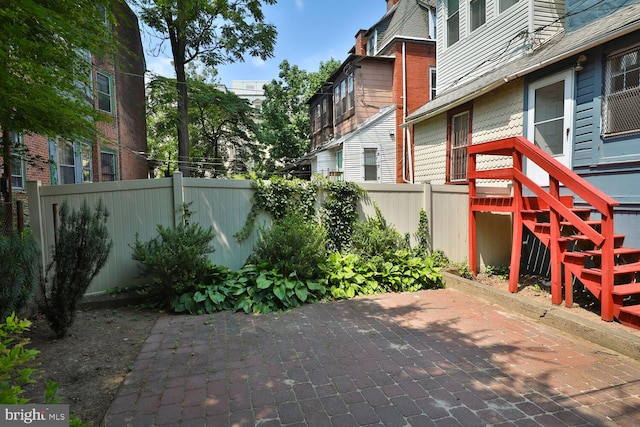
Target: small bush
[
  {"x": 212, "y": 293},
  {"x": 374, "y": 237},
  {"x": 422, "y": 235},
  {"x": 81, "y": 250},
  {"x": 176, "y": 260},
  {"x": 18, "y": 271},
  {"x": 292, "y": 245},
  {"x": 439, "y": 258},
  {"x": 261, "y": 290},
  {"x": 350, "y": 275},
  {"x": 13, "y": 357}
]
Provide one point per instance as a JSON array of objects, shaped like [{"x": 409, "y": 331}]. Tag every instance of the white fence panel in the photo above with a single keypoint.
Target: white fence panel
[{"x": 138, "y": 207}]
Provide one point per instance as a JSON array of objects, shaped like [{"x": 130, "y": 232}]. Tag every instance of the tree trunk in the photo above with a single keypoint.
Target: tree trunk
[
  {"x": 183, "y": 120},
  {"x": 6, "y": 160}
]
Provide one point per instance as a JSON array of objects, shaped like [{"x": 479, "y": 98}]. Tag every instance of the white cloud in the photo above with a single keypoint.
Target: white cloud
[
  {"x": 299, "y": 4},
  {"x": 161, "y": 66}
]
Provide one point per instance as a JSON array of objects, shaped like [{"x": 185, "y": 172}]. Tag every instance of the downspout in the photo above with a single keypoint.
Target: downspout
[{"x": 406, "y": 142}]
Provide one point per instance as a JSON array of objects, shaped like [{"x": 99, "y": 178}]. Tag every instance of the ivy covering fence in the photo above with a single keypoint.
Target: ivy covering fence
[{"x": 309, "y": 251}]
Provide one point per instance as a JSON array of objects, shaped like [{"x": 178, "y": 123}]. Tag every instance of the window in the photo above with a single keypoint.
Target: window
[
  {"x": 351, "y": 98},
  {"x": 621, "y": 106},
  {"x": 104, "y": 89},
  {"x": 18, "y": 171},
  {"x": 66, "y": 163},
  {"x": 323, "y": 114},
  {"x": 108, "y": 162},
  {"x": 370, "y": 164},
  {"x": 505, "y": 4},
  {"x": 316, "y": 119},
  {"x": 87, "y": 171},
  {"x": 336, "y": 101},
  {"x": 459, "y": 137},
  {"x": 453, "y": 22},
  {"x": 432, "y": 82},
  {"x": 339, "y": 161},
  {"x": 344, "y": 96},
  {"x": 371, "y": 43},
  {"x": 478, "y": 11}
]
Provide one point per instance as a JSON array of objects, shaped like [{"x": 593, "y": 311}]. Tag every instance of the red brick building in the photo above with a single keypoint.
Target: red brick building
[{"x": 117, "y": 153}]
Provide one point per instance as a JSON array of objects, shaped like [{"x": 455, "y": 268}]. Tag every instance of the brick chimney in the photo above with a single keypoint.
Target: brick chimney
[
  {"x": 391, "y": 3},
  {"x": 361, "y": 43}
]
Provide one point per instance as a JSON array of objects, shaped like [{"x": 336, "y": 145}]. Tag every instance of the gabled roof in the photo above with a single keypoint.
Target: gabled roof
[
  {"x": 383, "y": 113},
  {"x": 561, "y": 47},
  {"x": 408, "y": 19}
]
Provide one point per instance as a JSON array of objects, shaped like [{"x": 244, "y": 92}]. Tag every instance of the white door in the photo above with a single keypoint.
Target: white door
[{"x": 550, "y": 114}]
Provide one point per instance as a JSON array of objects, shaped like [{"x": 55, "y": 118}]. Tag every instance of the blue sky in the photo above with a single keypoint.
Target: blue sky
[{"x": 309, "y": 32}]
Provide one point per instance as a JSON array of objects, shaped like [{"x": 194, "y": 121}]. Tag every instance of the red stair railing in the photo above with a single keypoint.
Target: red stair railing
[{"x": 518, "y": 147}]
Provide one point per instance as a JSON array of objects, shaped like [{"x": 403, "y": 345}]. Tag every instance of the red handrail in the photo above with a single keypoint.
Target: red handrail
[{"x": 518, "y": 147}]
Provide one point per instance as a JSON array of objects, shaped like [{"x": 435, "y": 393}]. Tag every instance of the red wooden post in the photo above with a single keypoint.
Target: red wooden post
[
  {"x": 606, "y": 297},
  {"x": 472, "y": 214},
  {"x": 554, "y": 245},
  {"x": 516, "y": 242},
  {"x": 568, "y": 288}
]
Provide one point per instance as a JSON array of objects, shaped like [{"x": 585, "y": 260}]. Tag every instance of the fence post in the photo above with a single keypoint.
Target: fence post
[
  {"x": 178, "y": 197},
  {"x": 427, "y": 205},
  {"x": 36, "y": 220}
]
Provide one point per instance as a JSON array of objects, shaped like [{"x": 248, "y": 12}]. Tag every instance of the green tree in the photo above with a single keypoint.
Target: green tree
[
  {"x": 209, "y": 32},
  {"x": 45, "y": 77},
  {"x": 218, "y": 121},
  {"x": 285, "y": 120}
]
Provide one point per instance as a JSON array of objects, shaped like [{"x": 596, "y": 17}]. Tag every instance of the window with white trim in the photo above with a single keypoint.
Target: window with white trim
[
  {"x": 370, "y": 160},
  {"x": 478, "y": 13},
  {"x": 621, "y": 103},
  {"x": 432, "y": 82},
  {"x": 505, "y": 4},
  {"x": 453, "y": 21},
  {"x": 104, "y": 89},
  {"x": 87, "y": 170},
  {"x": 18, "y": 170}
]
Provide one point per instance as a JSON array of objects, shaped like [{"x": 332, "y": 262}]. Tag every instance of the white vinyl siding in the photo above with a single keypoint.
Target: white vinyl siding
[{"x": 467, "y": 58}]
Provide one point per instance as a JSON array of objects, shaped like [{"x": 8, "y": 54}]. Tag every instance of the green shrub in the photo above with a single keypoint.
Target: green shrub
[
  {"x": 81, "y": 250},
  {"x": 350, "y": 275},
  {"x": 212, "y": 293},
  {"x": 176, "y": 260},
  {"x": 292, "y": 245},
  {"x": 374, "y": 237},
  {"x": 18, "y": 271},
  {"x": 422, "y": 235},
  {"x": 13, "y": 358},
  {"x": 260, "y": 290},
  {"x": 439, "y": 258}
]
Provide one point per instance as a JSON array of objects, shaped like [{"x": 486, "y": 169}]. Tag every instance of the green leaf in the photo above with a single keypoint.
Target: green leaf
[
  {"x": 279, "y": 291},
  {"x": 302, "y": 292},
  {"x": 263, "y": 283}
]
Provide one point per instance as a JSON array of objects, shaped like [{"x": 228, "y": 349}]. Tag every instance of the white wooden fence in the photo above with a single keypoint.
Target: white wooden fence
[{"x": 137, "y": 207}]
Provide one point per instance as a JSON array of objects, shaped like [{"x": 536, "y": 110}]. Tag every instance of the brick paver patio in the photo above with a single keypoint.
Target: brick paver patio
[{"x": 439, "y": 358}]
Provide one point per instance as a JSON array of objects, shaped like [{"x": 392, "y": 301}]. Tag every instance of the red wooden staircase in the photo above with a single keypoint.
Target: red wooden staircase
[{"x": 581, "y": 240}]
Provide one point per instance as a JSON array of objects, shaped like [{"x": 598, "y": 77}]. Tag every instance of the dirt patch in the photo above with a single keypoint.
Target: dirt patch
[{"x": 91, "y": 362}]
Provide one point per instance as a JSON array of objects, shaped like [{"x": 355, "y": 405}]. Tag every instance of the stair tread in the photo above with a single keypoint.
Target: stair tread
[
  {"x": 618, "y": 269},
  {"x": 583, "y": 237},
  {"x": 631, "y": 309},
  {"x": 630, "y": 289},
  {"x": 598, "y": 252}
]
